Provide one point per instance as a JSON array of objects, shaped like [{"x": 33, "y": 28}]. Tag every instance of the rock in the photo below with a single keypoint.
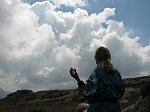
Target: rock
[
  {"x": 135, "y": 99},
  {"x": 68, "y": 100},
  {"x": 143, "y": 103},
  {"x": 129, "y": 109},
  {"x": 37, "y": 110},
  {"x": 137, "y": 95},
  {"x": 20, "y": 93}
]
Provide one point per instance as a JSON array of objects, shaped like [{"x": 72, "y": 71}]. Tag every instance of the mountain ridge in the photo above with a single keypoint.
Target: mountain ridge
[
  {"x": 3, "y": 93},
  {"x": 137, "y": 91}
]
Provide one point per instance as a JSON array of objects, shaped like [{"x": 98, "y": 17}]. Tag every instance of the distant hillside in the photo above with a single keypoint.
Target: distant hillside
[
  {"x": 3, "y": 93},
  {"x": 135, "y": 99}
]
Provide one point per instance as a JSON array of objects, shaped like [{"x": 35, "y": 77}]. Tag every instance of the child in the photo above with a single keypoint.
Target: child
[{"x": 104, "y": 87}]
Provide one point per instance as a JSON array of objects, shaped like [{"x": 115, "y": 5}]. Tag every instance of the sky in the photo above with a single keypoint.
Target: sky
[{"x": 41, "y": 39}]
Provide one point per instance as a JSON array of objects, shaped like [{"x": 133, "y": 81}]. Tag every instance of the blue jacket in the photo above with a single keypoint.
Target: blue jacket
[{"x": 103, "y": 91}]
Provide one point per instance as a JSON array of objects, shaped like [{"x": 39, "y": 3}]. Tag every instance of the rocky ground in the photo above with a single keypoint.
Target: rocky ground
[
  {"x": 135, "y": 99},
  {"x": 137, "y": 95}
]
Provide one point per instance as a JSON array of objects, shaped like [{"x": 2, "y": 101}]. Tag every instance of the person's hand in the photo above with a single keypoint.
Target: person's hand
[{"x": 74, "y": 74}]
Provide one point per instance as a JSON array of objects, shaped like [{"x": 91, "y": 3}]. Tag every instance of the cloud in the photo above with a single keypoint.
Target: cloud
[
  {"x": 61, "y": 3},
  {"x": 38, "y": 45},
  {"x": 70, "y": 3}
]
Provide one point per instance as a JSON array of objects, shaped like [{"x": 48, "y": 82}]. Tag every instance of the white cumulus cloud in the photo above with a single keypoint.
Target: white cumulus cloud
[
  {"x": 38, "y": 45},
  {"x": 71, "y": 3}
]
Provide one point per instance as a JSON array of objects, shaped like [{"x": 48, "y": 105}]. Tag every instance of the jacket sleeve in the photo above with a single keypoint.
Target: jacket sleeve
[{"x": 90, "y": 87}]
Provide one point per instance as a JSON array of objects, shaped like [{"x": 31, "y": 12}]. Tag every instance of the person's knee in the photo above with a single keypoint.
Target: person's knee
[{"x": 81, "y": 107}]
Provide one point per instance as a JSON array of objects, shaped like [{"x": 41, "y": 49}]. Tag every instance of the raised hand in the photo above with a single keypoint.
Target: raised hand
[{"x": 74, "y": 74}]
